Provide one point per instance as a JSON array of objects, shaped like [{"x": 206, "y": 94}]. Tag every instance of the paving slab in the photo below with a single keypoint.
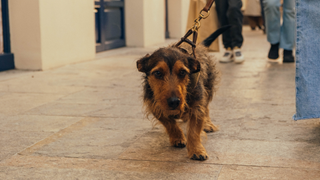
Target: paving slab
[
  {"x": 35, "y": 83},
  {"x": 75, "y": 168},
  {"x": 86, "y": 121},
  {"x": 17, "y": 103},
  {"x": 98, "y": 140},
  {"x": 245, "y": 172},
  {"x": 36, "y": 123},
  {"x": 13, "y": 142}
]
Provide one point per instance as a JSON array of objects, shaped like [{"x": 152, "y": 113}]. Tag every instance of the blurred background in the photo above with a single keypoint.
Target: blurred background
[{"x": 44, "y": 34}]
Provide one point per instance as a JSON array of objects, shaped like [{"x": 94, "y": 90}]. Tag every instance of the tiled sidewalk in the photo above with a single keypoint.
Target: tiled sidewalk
[{"x": 85, "y": 121}]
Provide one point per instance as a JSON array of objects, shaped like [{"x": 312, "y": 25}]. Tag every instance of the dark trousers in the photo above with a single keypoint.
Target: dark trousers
[
  {"x": 229, "y": 13},
  {"x": 262, "y": 11}
]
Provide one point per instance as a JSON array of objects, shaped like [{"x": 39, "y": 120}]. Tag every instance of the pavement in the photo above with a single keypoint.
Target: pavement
[{"x": 86, "y": 121}]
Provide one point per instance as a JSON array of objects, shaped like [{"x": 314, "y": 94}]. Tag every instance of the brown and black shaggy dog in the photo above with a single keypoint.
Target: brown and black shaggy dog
[{"x": 179, "y": 86}]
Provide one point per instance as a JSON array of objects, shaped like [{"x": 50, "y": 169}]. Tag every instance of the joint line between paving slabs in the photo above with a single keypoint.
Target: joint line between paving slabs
[{"x": 54, "y": 137}]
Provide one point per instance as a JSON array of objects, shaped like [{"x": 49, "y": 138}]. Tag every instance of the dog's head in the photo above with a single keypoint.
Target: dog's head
[{"x": 167, "y": 76}]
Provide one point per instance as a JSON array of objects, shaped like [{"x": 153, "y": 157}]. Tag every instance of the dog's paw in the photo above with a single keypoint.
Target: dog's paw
[
  {"x": 199, "y": 153},
  {"x": 210, "y": 127},
  {"x": 199, "y": 157},
  {"x": 181, "y": 143}
]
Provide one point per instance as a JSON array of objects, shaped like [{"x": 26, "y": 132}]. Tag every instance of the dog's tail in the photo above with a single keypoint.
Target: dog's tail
[{"x": 208, "y": 41}]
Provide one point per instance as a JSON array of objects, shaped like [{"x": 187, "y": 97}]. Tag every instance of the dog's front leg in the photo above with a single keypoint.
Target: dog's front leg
[
  {"x": 176, "y": 135},
  {"x": 196, "y": 150}
]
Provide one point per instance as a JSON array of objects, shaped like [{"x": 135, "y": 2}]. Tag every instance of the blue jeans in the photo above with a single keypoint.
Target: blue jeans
[
  {"x": 307, "y": 60},
  {"x": 285, "y": 33}
]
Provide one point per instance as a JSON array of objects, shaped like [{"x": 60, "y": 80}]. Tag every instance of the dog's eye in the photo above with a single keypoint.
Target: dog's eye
[
  {"x": 182, "y": 73},
  {"x": 157, "y": 74}
]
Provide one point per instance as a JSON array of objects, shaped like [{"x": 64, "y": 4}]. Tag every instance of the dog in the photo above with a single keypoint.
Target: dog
[{"x": 177, "y": 85}]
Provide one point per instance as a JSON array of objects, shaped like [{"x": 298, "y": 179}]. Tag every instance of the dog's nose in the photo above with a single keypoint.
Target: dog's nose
[{"x": 173, "y": 102}]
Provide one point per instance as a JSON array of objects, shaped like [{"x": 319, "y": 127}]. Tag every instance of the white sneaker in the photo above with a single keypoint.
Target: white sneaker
[
  {"x": 238, "y": 57},
  {"x": 227, "y": 57}
]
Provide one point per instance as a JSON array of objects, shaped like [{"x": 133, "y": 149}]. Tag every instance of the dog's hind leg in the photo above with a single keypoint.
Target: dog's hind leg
[
  {"x": 176, "y": 135},
  {"x": 208, "y": 125}
]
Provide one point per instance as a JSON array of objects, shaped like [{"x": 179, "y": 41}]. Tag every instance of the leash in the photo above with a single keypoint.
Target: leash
[{"x": 194, "y": 29}]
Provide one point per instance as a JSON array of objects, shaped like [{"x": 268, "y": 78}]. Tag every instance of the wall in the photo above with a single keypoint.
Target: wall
[
  {"x": 178, "y": 17},
  {"x": 145, "y": 22},
  {"x": 24, "y": 19},
  {"x": 51, "y": 33}
]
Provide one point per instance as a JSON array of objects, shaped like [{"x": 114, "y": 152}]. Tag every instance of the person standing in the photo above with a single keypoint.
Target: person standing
[
  {"x": 229, "y": 13},
  {"x": 280, "y": 36}
]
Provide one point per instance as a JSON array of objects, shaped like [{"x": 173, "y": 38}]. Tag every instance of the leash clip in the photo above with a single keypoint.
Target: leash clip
[{"x": 204, "y": 16}]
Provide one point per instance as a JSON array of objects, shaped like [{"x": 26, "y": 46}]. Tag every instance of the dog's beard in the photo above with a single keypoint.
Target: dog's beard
[
  {"x": 173, "y": 112},
  {"x": 159, "y": 108}
]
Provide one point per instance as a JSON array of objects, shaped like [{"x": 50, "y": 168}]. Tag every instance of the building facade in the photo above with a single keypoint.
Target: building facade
[{"x": 46, "y": 34}]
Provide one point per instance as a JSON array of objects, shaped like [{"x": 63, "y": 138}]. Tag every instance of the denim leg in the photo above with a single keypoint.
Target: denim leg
[
  {"x": 272, "y": 20},
  {"x": 221, "y": 8},
  {"x": 307, "y": 60},
  {"x": 235, "y": 18},
  {"x": 288, "y": 26}
]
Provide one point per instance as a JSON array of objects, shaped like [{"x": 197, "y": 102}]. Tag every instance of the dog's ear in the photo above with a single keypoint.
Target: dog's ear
[
  {"x": 142, "y": 63},
  {"x": 194, "y": 65}
]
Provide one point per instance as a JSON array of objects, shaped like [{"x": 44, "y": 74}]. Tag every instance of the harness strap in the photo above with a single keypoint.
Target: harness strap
[{"x": 195, "y": 28}]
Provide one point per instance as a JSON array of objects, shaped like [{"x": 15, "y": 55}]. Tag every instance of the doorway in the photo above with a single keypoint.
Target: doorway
[
  {"x": 109, "y": 24},
  {"x": 6, "y": 57}
]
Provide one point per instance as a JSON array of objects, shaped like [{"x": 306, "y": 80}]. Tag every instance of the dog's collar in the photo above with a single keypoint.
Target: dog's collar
[{"x": 194, "y": 78}]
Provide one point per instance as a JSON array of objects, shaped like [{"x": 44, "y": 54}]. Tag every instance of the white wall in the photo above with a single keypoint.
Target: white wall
[
  {"x": 25, "y": 34},
  {"x": 144, "y": 22},
  {"x": 178, "y": 17},
  {"x": 51, "y": 33}
]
